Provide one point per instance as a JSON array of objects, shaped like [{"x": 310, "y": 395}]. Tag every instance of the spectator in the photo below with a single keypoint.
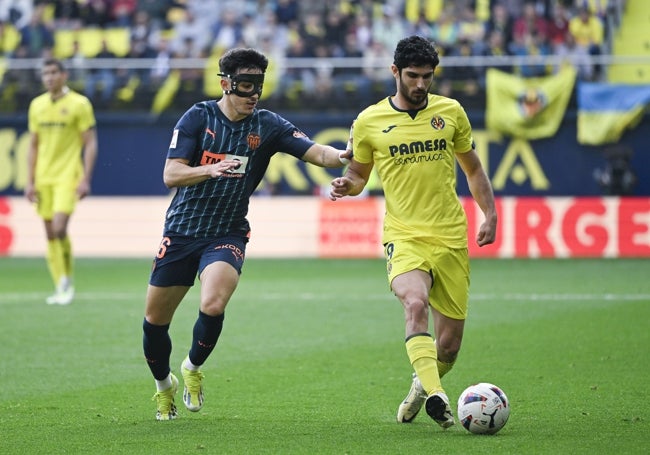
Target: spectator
[
  {"x": 36, "y": 37},
  {"x": 336, "y": 28},
  {"x": 156, "y": 11},
  {"x": 589, "y": 33},
  {"x": 388, "y": 29},
  {"x": 570, "y": 52},
  {"x": 287, "y": 11},
  {"x": 376, "y": 59},
  {"x": 500, "y": 20},
  {"x": 77, "y": 68},
  {"x": 122, "y": 12},
  {"x": 96, "y": 13},
  {"x": 530, "y": 45},
  {"x": 350, "y": 82},
  {"x": 558, "y": 26},
  {"x": 227, "y": 32},
  {"x": 446, "y": 31},
  {"x": 102, "y": 79},
  {"x": 189, "y": 28},
  {"x": 528, "y": 23},
  {"x": 67, "y": 14}
]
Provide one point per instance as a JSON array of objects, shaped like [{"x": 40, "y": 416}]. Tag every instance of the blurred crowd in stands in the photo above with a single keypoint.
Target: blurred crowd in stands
[{"x": 308, "y": 44}]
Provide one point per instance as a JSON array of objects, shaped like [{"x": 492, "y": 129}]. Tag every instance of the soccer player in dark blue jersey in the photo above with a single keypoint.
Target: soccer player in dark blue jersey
[{"x": 218, "y": 155}]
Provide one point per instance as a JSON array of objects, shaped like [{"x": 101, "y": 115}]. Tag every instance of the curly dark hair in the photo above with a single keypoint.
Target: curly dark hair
[
  {"x": 415, "y": 51},
  {"x": 235, "y": 60}
]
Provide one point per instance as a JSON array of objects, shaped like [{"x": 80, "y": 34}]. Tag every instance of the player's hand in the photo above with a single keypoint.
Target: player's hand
[
  {"x": 224, "y": 167},
  {"x": 486, "y": 234},
  {"x": 30, "y": 193},
  {"x": 83, "y": 189},
  {"x": 340, "y": 188},
  {"x": 345, "y": 156}
]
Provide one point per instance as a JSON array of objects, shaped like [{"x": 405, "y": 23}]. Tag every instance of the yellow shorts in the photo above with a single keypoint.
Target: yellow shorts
[
  {"x": 56, "y": 198},
  {"x": 449, "y": 267}
]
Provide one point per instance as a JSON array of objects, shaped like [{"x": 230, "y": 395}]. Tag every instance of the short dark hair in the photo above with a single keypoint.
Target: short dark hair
[
  {"x": 235, "y": 60},
  {"x": 54, "y": 62},
  {"x": 415, "y": 51}
]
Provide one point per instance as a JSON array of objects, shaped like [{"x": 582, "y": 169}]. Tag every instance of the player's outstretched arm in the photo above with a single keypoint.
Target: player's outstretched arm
[{"x": 327, "y": 156}]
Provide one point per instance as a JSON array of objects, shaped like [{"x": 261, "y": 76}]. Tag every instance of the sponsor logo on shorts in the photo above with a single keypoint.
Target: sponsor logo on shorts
[{"x": 234, "y": 249}]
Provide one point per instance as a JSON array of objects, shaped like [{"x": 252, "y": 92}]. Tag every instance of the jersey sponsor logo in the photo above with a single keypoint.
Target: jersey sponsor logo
[
  {"x": 415, "y": 147},
  {"x": 437, "y": 122},
  {"x": 209, "y": 157},
  {"x": 298, "y": 133},
  {"x": 388, "y": 129},
  {"x": 418, "y": 151},
  {"x": 253, "y": 141},
  {"x": 172, "y": 145}
]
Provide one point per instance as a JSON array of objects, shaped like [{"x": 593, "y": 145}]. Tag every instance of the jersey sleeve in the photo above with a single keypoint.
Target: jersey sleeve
[
  {"x": 361, "y": 146},
  {"x": 290, "y": 139},
  {"x": 463, "y": 142},
  {"x": 186, "y": 134},
  {"x": 86, "y": 115}
]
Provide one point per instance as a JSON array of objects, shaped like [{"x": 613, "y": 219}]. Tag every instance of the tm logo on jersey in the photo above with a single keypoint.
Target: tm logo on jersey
[{"x": 388, "y": 129}]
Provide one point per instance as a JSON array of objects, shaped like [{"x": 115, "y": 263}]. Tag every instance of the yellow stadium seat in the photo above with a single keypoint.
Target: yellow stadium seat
[
  {"x": 118, "y": 40},
  {"x": 63, "y": 43},
  {"x": 90, "y": 41},
  {"x": 10, "y": 39}
]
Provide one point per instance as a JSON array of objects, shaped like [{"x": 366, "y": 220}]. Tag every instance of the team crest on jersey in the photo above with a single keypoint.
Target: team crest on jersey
[
  {"x": 298, "y": 133},
  {"x": 253, "y": 141},
  {"x": 437, "y": 122}
]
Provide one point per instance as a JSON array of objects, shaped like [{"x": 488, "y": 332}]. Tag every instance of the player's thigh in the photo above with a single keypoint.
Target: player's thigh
[
  {"x": 161, "y": 303},
  {"x": 218, "y": 283},
  {"x": 219, "y": 270}
]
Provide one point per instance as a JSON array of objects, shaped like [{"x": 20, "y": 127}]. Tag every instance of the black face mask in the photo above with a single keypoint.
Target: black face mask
[{"x": 245, "y": 84}]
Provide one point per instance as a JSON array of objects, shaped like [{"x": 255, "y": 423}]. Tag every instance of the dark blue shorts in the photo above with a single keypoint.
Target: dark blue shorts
[{"x": 181, "y": 259}]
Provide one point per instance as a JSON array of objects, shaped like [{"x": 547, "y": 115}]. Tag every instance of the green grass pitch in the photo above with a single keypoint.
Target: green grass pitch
[{"x": 312, "y": 361}]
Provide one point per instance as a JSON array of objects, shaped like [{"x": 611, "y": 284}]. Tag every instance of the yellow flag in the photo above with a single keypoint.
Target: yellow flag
[{"x": 527, "y": 108}]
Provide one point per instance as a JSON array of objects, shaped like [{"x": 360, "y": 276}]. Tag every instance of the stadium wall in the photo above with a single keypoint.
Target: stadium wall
[
  {"x": 549, "y": 202},
  {"x": 132, "y": 151},
  {"x": 313, "y": 226}
]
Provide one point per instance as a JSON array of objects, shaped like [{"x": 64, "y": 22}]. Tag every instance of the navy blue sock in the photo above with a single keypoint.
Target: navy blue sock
[
  {"x": 157, "y": 348},
  {"x": 205, "y": 335}
]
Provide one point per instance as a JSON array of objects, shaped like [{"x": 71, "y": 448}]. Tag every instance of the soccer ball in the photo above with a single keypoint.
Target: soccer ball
[{"x": 483, "y": 408}]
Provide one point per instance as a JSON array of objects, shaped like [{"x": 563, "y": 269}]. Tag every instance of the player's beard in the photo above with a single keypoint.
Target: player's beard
[{"x": 415, "y": 98}]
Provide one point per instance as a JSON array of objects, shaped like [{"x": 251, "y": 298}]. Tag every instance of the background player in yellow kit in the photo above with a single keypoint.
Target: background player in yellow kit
[
  {"x": 62, "y": 130},
  {"x": 414, "y": 139}
]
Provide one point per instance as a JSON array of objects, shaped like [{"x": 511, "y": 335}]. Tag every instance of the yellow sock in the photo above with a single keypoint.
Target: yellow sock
[
  {"x": 55, "y": 261},
  {"x": 68, "y": 262},
  {"x": 422, "y": 353},
  {"x": 444, "y": 367}
]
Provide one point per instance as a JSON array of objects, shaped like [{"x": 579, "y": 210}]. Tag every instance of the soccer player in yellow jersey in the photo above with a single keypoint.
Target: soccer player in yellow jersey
[
  {"x": 414, "y": 140},
  {"x": 61, "y": 158}
]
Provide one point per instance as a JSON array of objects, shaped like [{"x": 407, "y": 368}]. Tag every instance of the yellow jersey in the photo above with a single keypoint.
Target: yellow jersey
[
  {"x": 414, "y": 155},
  {"x": 59, "y": 125}
]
